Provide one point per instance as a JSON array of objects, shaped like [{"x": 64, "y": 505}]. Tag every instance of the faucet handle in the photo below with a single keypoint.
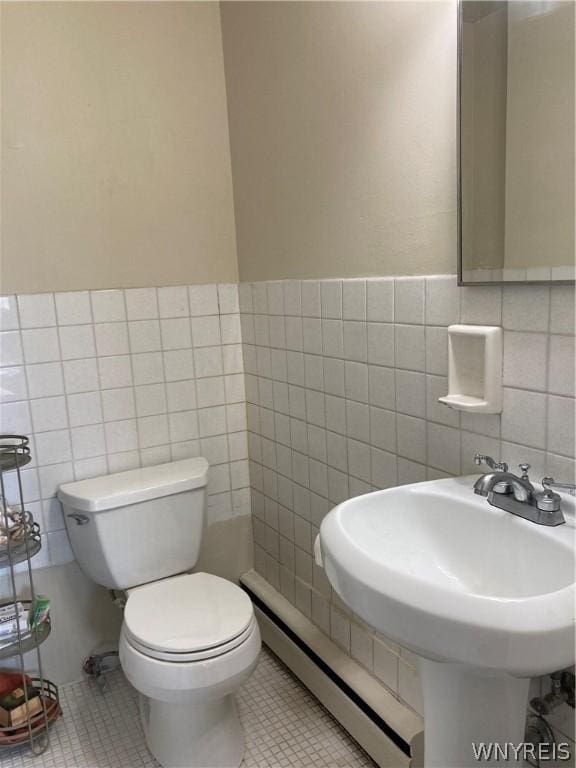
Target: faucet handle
[
  {"x": 524, "y": 469},
  {"x": 549, "y": 483},
  {"x": 498, "y": 466}
]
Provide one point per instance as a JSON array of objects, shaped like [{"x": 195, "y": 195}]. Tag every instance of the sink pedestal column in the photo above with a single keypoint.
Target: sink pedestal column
[{"x": 463, "y": 707}]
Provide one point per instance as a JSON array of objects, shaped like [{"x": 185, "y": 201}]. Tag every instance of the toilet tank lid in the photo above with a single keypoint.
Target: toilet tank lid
[{"x": 111, "y": 491}]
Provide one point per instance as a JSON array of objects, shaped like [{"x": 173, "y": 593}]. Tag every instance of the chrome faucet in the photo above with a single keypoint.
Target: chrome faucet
[{"x": 517, "y": 495}]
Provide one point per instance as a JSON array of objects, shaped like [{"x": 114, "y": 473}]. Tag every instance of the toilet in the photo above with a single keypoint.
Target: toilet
[{"x": 188, "y": 640}]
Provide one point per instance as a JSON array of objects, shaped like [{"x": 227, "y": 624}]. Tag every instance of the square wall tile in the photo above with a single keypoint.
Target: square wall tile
[
  {"x": 384, "y": 468},
  {"x": 49, "y": 413},
  {"x": 203, "y": 300},
  {"x": 443, "y": 448},
  {"x": 208, "y": 362},
  {"x": 561, "y": 419},
  {"x": 11, "y": 352},
  {"x": 333, "y": 338},
  {"x": 436, "y": 350},
  {"x": 9, "y": 320},
  {"x": 41, "y": 345},
  {"x": 357, "y": 420},
  {"x": 148, "y": 368},
  {"x": 150, "y": 400},
  {"x": 410, "y": 472},
  {"x": 173, "y": 301},
  {"x": 411, "y": 437},
  {"x": 481, "y": 305},
  {"x": 356, "y": 381},
  {"x": 292, "y": 298},
  {"x": 294, "y": 334},
  {"x": 385, "y": 665},
  {"x": 153, "y": 431},
  {"x": 73, "y": 308},
  {"x": 37, "y": 310},
  {"x": 230, "y": 329},
  {"x": 410, "y": 347},
  {"x": 118, "y": 404},
  {"x": 45, "y": 379},
  {"x": 13, "y": 384},
  {"x": 525, "y": 307},
  {"x": 144, "y": 336},
  {"x": 115, "y": 371},
  {"x": 442, "y": 301},
  {"x": 84, "y": 409},
  {"x": 259, "y": 298},
  {"x": 53, "y": 447},
  {"x": 311, "y": 298},
  {"x": 53, "y": 476},
  {"x": 411, "y": 393},
  {"x": 206, "y": 331},
  {"x": 382, "y": 387},
  {"x": 108, "y": 306},
  {"x": 15, "y": 417},
  {"x": 179, "y": 365},
  {"x": 141, "y": 303},
  {"x": 121, "y": 436},
  {"x": 562, "y": 309},
  {"x": 111, "y": 339},
  {"x": 355, "y": 341},
  {"x": 176, "y": 333},
  {"x": 381, "y": 343},
  {"x": 80, "y": 375},
  {"x": 524, "y": 417},
  {"x": 210, "y": 392},
  {"x": 275, "y": 292},
  {"x": 331, "y": 299},
  {"x": 380, "y": 300},
  {"x": 340, "y": 629},
  {"x": 88, "y": 441},
  {"x": 525, "y": 360},
  {"x": 228, "y": 298},
  {"x": 77, "y": 341},
  {"x": 409, "y": 300},
  {"x": 354, "y": 299},
  {"x": 333, "y": 376},
  {"x": 561, "y": 374}
]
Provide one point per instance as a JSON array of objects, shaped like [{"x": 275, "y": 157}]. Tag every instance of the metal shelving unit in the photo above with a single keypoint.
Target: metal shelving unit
[{"x": 20, "y": 541}]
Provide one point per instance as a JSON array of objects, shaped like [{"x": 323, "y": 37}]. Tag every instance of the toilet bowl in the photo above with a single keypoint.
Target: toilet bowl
[
  {"x": 188, "y": 640},
  {"x": 187, "y": 644}
]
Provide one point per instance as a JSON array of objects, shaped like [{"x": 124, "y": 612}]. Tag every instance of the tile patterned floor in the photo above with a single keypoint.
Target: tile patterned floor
[{"x": 285, "y": 727}]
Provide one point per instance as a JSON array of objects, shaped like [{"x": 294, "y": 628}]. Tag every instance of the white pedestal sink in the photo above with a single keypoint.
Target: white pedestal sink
[{"x": 485, "y": 598}]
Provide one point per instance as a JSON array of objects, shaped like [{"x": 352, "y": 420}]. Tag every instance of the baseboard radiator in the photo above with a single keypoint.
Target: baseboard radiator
[{"x": 390, "y": 732}]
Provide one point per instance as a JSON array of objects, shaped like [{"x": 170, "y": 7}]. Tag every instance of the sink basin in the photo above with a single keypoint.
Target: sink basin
[{"x": 485, "y": 598}]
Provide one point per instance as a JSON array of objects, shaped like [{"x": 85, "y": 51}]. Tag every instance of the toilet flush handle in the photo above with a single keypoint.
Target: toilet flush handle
[{"x": 80, "y": 519}]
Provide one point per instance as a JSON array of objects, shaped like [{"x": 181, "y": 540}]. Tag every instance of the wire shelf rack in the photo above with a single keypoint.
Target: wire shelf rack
[
  {"x": 20, "y": 541},
  {"x": 30, "y": 639}
]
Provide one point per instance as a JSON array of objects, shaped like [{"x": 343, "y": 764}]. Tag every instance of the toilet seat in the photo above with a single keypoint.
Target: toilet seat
[
  {"x": 208, "y": 653},
  {"x": 188, "y": 618}
]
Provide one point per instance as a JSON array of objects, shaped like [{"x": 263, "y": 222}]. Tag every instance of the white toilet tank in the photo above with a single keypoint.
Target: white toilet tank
[{"x": 139, "y": 526}]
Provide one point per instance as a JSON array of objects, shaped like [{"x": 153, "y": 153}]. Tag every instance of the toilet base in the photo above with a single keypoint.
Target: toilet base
[{"x": 207, "y": 735}]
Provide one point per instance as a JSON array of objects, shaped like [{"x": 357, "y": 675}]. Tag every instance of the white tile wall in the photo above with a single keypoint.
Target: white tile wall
[
  {"x": 329, "y": 387},
  {"x": 342, "y": 398},
  {"x": 105, "y": 381}
]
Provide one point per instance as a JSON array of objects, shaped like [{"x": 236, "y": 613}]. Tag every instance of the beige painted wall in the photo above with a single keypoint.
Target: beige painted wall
[
  {"x": 115, "y": 151},
  {"x": 343, "y": 127}
]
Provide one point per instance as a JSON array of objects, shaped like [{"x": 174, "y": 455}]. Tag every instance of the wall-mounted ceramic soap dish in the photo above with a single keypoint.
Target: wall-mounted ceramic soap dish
[{"x": 474, "y": 368}]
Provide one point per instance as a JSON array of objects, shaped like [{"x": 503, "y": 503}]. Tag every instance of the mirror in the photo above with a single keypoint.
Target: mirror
[{"x": 516, "y": 141}]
